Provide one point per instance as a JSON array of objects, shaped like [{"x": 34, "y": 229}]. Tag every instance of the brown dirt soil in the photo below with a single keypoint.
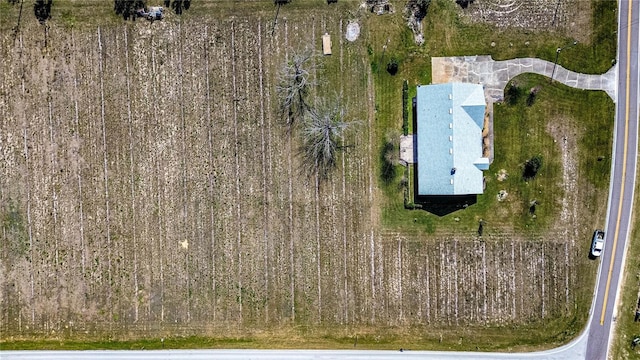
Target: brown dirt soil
[
  {"x": 121, "y": 143},
  {"x": 565, "y": 16}
]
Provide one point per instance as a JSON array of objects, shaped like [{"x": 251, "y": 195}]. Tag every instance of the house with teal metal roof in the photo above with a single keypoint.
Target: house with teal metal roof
[{"x": 450, "y": 119}]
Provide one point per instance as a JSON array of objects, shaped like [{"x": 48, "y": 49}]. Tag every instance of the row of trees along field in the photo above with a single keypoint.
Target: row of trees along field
[{"x": 126, "y": 8}]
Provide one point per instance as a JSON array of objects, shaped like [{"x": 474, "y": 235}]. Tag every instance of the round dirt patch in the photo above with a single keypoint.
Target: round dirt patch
[
  {"x": 353, "y": 31},
  {"x": 502, "y": 175}
]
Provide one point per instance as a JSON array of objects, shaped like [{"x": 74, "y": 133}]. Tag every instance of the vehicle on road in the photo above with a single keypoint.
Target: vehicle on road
[{"x": 597, "y": 244}]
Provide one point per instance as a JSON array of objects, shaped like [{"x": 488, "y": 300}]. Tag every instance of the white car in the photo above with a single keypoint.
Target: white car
[{"x": 597, "y": 244}]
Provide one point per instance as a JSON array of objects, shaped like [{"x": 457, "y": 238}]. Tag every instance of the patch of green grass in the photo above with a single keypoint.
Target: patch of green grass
[
  {"x": 13, "y": 229},
  {"x": 482, "y": 338},
  {"x": 191, "y": 342},
  {"x": 520, "y": 130},
  {"x": 68, "y": 18},
  {"x": 520, "y": 133},
  {"x": 447, "y": 35}
]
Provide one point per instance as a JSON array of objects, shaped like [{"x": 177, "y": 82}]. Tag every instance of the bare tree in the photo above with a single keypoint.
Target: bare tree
[
  {"x": 295, "y": 81},
  {"x": 390, "y": 156},
  {"x": 322, "y": 138},
  {"x": 178, "y": 5}
]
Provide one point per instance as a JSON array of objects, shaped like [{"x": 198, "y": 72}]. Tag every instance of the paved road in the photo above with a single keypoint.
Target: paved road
[
  {"x": 554, "y": 354},
  {"x": 622, "y": 182}
]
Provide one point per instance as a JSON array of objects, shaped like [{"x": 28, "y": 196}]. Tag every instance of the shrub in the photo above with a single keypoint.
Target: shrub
[
  {"x": 464, "y": 3},
  {"x": 531, "y": 167},
  {"x": 531, "y": 98},
  {"x": 128, "y": 8},
  {"x": 405, "y": 112},
  {"x": 392, "y": 66},
  {"x": 512, "y": 94},
  {"x": 389, "y": 155},
  {"x": 42, "y": 10},
  {"x": 421, "y": 8}
]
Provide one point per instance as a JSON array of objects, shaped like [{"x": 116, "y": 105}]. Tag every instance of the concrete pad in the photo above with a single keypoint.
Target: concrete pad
[
  {"x": 495, "y": 75},
  {"x": 473, "y": 78},
  {"x": 482, "y": 67},
  {"x": 560, "y": 75},
  {"x": 592, "y": 82},
  {"x": 469, "y": 59},
  {"x": 526, "y": 63},
  {"x": 572, "y": 79},
  {"x": 408, "y": 150},
  {"x": 513, "y": 70},
  {"x": 441, "y": 70},
  {"x": 539, "y": 66},
  {"x": 501, "y": 77},
  {"x": 494, "y": 94},
  {"x": 549, "y": 69},
  {"x": 497, "y": 65}
]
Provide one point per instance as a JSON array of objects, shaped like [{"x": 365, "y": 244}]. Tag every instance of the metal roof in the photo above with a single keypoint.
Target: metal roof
[{"x": 450, "y": 122}]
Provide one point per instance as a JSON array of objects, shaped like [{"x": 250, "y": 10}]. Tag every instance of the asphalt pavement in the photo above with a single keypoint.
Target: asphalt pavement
[{"x": 623, "y": 175}]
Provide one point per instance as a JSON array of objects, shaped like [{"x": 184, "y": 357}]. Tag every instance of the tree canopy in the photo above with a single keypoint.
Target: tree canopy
[
  {"x": 323, "y": 134},
  {"x": 293, "y": 87}
]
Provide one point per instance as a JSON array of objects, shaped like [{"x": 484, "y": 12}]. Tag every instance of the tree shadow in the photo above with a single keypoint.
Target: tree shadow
[{"x": 387, "y": 167}]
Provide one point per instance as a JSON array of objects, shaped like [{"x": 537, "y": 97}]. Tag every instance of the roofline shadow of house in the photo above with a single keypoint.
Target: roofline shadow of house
[{"x": 441, "y": 205}]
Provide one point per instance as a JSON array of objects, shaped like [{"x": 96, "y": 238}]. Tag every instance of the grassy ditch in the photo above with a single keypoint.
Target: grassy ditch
[
  {"x": 626, "y": 328},
  {"x": 482, "y": 338}
]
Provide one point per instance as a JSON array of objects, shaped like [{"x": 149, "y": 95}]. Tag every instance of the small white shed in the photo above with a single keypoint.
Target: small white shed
[{"x": 326, "y": 44}]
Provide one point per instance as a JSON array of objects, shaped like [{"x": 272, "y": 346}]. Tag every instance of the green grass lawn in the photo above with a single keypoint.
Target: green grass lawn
[
  {"x": 520, "y": 130},
  {"x": 521, "y": 133},
  {"x": 482, "y": 338}
]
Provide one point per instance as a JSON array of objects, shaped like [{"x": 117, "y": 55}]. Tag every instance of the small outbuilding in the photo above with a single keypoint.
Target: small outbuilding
[
  {"x": 154, "y": 13},
  {"x": 326, "y": 44}
]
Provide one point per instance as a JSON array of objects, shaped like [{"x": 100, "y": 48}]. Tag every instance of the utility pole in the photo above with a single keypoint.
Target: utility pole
[
  {"x": 384, "y": 49},
  {"x": 555, "y": 63}
]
